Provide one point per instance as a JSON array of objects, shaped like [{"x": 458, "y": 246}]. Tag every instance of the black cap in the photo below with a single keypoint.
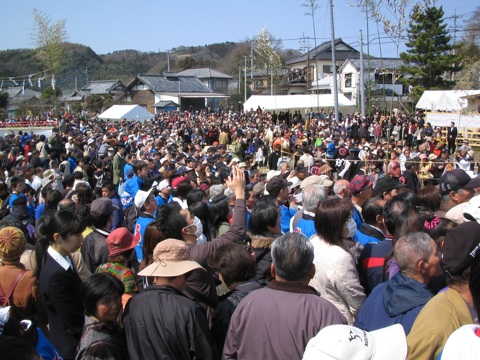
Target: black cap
[
  {"x": 276, "y": 184},
  {"x": 457, "y": 179},
  {"x": 386, "y": 184},
  {"x": 461, "y": 247}
]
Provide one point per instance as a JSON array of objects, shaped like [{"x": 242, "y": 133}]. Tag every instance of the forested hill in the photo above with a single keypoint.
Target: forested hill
[{"x": 83, "y": 64}]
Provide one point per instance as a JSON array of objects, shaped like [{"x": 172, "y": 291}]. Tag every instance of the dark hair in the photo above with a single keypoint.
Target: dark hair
[
  {"x": 78, "y": 175},
  {"x": 474, "y": 283},
  {"x": 218, "y": 213},
  {"x": 330, "y": 219},
  {"x": 52, "y": 199},
  {"x": 15, "y": 180},
  {"x": 183, "y": 188},
  {"x": 63, "y": 222},
  {"x": 262, "y": 217},
  {"x": 234, "y": 263},
  {"x": 68, "y": 181},
  {"x": 200, "y": 210},
  {"x": 391, "y": 211},
  {"x": 138, "y": 165},
  {"x": 97, "y": 286},
  {"x": 195, "y": 195},
  {"x": 109, "y": 186},
  {"x": 438, "y": 232},
  {"x": 84, "y": 194},
  {"x": 371, "y": 209},
  {"x": 18, "y": 348},
  {"x": 429, "y": 198}
]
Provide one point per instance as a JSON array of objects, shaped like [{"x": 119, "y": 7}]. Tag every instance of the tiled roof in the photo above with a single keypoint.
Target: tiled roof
[
  {"x": 101, "y": 86},
  {"x": 15, "y": 94},
  {"x": 173, "y": 83},
  {"x": 377, "y": 63},
  {"x": 324, "y": 52},
  {"x": 205, "y": 73}
]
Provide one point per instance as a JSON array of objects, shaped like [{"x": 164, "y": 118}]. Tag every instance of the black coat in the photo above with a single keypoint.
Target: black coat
[
  {"x": 61, "y": 291},
  {"x": 161, "y": 323}
]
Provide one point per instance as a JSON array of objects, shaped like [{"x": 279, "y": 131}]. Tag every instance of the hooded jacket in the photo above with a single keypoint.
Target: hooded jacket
[
  {"x": 261, "y": 246},
  {"x": 397, "y": 301}
]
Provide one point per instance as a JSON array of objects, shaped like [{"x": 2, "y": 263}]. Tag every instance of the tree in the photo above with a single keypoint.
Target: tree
[
  {"x": 266, "y": 55},
  {"x": 94, "y": 103},
  {"x": 49, "y": 95},
  {"x": 3, "y": 100},
  {"x": 469, "y": 52},
  {"x": 430, "y": 53},
  {"x": 50, "y": 41}
]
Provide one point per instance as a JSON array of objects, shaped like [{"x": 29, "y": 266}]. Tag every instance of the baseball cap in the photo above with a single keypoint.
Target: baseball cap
[
  {"x": 163, "y": 184},
  {"x": 460, "y": 248},
  {"x": 102, "y": 206},
  {"x": 276, "y": 184},
  {"x": 141, "y": 196},
  {"x": 457, "y": 179},
  {"x": 345, "y": 342},
  {"x": 171, "y": 258},
  {"x": 176, "y": 181},
  {"x": 259, "y": 188},
  {"x": 359, "y": 183},
  {"x": 121, "y": 240},
  {"x": 386, "y": 184}
]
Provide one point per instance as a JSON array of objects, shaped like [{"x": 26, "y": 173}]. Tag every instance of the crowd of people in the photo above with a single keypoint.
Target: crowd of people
[{"x": 239, "y": 234}]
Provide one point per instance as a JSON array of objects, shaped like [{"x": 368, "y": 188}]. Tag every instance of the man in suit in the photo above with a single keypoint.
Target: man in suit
[{"x": 452, "y": 134}]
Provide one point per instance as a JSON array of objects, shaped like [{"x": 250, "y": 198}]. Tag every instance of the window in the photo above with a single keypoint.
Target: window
[{"x": 348, "y": 80}]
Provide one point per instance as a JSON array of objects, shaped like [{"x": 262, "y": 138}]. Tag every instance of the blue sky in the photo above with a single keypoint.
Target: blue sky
[{"x": 156, "y": 25}]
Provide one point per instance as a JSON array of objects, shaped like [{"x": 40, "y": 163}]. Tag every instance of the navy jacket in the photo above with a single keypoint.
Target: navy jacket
[
  {"x": 61, "y": 291},
  {"x": 397, "y": 301}
]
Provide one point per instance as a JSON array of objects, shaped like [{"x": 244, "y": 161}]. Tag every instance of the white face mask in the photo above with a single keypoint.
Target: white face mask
[
  {"x": 352, "y": 228},
  {"x": 198, "y": 223}
]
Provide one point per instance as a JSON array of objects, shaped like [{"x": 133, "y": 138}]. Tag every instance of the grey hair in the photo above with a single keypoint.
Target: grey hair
[
  {"x": 410, "y": 249},
  {"x": 339, "y": 186},
  {"x": 292, "y": 256},
  {"x": 312, "y": 195},
  {"x": 281, "y": 164}
]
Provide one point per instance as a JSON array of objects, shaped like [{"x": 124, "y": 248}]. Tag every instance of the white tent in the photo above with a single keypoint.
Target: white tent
[
  {"x": 129, "y": 112},
  {"x": 444, "y": 100},
  {"x": 285, "y": 102}
]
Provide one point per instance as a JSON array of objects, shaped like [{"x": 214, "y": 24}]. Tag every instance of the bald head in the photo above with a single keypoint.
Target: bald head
[{"x": 341, "y": 188}]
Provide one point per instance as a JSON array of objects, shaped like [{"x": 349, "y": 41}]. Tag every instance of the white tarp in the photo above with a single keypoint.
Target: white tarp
[
  {"x": 285, "y": 102},
  {"x": 129, "y": 112},
  {"x": 444, "y": 100}
]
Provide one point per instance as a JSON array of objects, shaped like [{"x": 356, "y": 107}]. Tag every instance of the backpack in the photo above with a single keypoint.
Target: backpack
[
  {"x": 5, "y": 298},
  {"x": 131, "y": 216}
]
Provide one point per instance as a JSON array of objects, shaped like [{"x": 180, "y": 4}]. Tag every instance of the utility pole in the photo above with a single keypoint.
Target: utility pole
[
  {"x": 245, "y": 80},
  {"x": 334, "y": 61},
  {"x": 362, "y": 79},
  {"x": 86, "y": 76},
  {"x": 168, "y": 60},
  {"x": 239, "y": 80}
]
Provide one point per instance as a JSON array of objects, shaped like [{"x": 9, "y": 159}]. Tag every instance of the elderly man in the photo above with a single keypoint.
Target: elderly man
[
  {"x": 304, "y": 220},
  {"x": 161, "y": 322},
  {"x": 292, "y": 311},
  {"x": 451, "y": 309},
  {"x": 399, "y": 300}
]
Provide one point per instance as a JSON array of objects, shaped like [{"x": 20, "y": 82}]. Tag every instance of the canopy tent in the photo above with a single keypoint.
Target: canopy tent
[
  {"x": 444, "y": 100},
  {"x": 129, "y": 112},
  {"x": 285, "y": 102}
]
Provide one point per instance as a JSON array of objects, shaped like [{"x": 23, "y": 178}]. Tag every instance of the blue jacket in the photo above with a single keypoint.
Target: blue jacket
[
  {"x": 306, "y": 226},
  {"x": 131, "y": 188},
  {"x": 286, "y": 214},
  {"x": 397, "y": 301},
  {"x": 139, "y": 230},
  {"x": 371, "y": 264},
  {"x": 368, "y": 234}
]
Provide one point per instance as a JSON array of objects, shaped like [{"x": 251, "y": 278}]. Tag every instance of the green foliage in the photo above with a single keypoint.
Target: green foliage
[
  {"x": 429, "y": 50},
  {"x": 49, "y": 95},
  {"x": 94, "y": 103},
  {"x": 49, "y": 40},
  {"x": 3, "y": 99}
]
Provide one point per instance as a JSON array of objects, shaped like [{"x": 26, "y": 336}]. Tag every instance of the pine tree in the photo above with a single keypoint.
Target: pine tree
[{"x": 429, "y": 59}]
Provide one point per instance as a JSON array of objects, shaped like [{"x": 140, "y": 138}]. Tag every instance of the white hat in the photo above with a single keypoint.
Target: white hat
[
  {"x": 323, "y": 180},
  {"x": 90, "y": 141},
  {"x": 271, "y": 174},
  {"x": 141, "y": 197},
  {"x": 472, "y": 209},
  {"x": 163, "y": 184},
  {"x": 464, "y": 343},
  {"x": 344, "y": 342}
]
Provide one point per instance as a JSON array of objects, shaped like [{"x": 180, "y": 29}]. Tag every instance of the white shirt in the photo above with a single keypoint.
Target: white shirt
[{"x": 64, "y": 262}]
